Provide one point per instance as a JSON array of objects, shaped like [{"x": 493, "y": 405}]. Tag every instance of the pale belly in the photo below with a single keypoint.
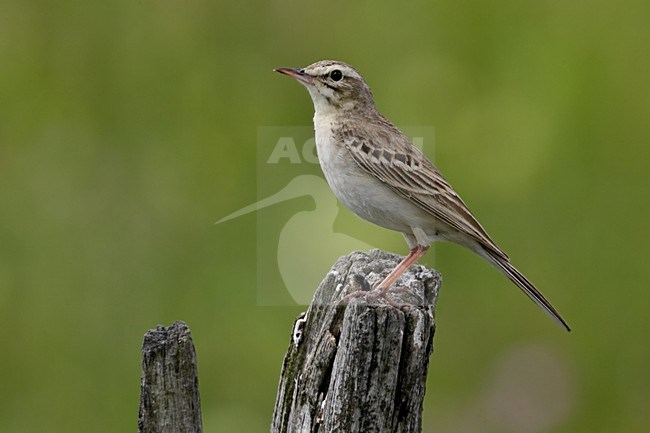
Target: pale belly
[{"x": 368, "y": 197}]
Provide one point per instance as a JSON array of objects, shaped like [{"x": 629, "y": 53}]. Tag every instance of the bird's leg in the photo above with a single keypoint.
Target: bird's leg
[
  {"x": 402, "y": 267},
  {"x": 382, "y": 288}
]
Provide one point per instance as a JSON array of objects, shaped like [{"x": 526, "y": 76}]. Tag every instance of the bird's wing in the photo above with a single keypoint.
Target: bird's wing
[{"x": 389, "y": 156}]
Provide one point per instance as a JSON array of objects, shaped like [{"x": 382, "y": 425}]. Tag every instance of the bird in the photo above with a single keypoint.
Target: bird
[{"x": 377, "y": 173}]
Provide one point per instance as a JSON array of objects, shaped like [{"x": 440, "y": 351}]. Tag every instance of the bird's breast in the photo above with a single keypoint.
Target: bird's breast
[{"x": 358, "y": 190}]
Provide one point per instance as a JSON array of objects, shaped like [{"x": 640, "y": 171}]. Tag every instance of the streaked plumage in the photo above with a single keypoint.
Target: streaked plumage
[{"x": 375, "y": 171}]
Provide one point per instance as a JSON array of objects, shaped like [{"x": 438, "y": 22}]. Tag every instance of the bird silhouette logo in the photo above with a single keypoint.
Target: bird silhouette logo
[{"x": 301, "y": 264}]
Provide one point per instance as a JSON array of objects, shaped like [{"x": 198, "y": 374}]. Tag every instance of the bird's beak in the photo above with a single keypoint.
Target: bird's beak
[{"x": 298, "y": 74}]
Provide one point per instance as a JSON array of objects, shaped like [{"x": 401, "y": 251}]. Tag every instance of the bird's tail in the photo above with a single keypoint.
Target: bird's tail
[{"x": 522, "y": 282}]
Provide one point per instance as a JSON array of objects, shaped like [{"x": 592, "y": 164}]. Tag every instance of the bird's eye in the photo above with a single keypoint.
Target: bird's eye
[{"x": 336, "y": 75}]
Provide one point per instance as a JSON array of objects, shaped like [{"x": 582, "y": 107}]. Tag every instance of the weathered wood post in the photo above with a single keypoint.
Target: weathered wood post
[
  {"x": 169, "y": 394},
  {"x": 359, "y": 367}
]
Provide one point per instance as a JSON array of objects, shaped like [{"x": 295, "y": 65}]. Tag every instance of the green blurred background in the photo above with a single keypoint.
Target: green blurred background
[{"x": 127, "y": 128}]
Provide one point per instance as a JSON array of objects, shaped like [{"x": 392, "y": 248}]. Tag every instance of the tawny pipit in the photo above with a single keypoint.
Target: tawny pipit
[{"x": 383, "y": 178}]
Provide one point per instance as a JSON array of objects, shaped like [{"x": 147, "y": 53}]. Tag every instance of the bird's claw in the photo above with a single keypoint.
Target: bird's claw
[{"x": 374, "y": 295}]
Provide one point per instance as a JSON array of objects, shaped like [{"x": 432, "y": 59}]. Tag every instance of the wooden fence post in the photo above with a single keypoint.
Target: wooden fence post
[
  {"x": 169, "y": 394},
  {"x": 360, "y": 366}
]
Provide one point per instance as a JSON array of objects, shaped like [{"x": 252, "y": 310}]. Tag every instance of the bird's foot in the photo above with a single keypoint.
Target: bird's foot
[
  {"x": 356, "y": 294},
  {"x": 384, "y": 293},
  {"x": 401, "y": 293},
  {"x": 380, "y": 291},
  {"x": 374, "y": 295}
]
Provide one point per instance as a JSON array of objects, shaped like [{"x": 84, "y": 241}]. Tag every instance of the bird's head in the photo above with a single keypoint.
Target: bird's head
[{"x": 333, "y": 86}]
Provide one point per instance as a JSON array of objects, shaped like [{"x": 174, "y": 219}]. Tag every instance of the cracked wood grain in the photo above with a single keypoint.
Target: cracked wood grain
[
  {"x": 169, "y": 393},
  {"x": 360, "y": 366}
]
